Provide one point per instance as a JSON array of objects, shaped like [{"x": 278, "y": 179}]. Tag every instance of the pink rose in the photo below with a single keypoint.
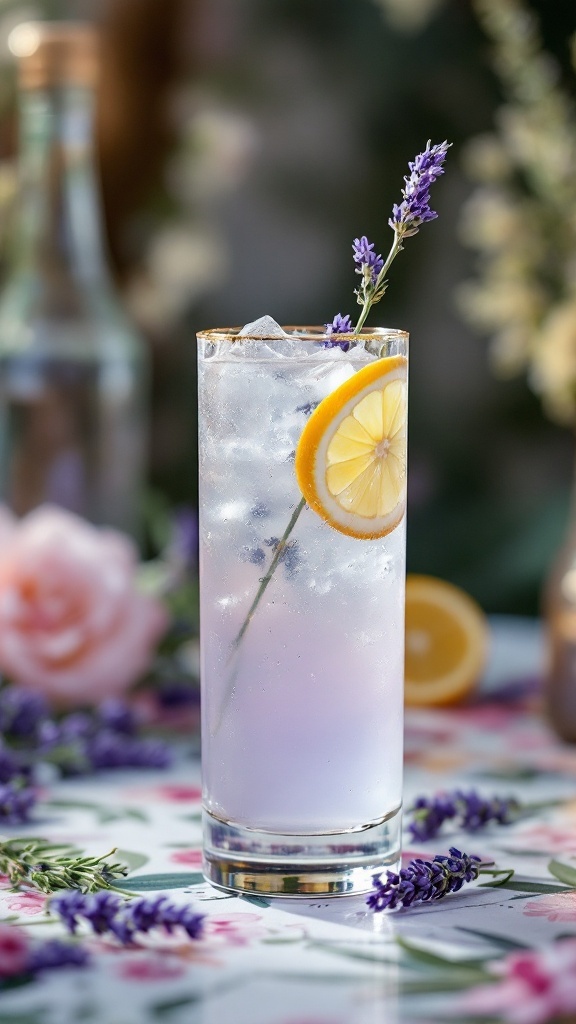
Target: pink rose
[
  {"x": 14, "y": 951},
  {"x": 72, "y": 623}
]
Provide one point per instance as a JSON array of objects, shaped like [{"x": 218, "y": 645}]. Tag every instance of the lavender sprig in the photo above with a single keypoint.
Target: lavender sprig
[
  {"x": 50, "y": 955},
  {"x": 109, "y": 913},
  {"x": 78, "y": 743},
  {"x": 469, "y": 811},
  {"x": 423, "y": 880},
  {"x": 340, "y": 325},
  {"x": 52, "y": 866},
  {"x": 407, "y": 218}
]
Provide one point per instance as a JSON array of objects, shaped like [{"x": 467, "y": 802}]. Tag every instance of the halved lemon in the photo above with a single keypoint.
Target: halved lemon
[
  {"x": 351, "y": 457},
  {"x": 446, "y": 642}
]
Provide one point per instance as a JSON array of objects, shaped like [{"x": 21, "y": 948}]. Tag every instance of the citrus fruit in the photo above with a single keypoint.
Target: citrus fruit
[
  {"x": 351, "y": 457},
  {"x": 446, "y": 642}
]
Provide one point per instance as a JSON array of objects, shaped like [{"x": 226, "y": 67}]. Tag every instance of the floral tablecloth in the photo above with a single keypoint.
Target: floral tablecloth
[{"x": 322, "y": 961}]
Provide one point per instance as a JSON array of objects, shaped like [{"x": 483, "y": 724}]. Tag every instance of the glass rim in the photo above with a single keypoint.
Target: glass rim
[{"x": 305, "y": 332}]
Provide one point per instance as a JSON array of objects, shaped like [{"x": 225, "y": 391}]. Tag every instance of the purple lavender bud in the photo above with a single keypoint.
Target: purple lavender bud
[
  {"x": 107, "y": 749},
  {"x": 13, "y": 767},
  {"x": 76, "y": 725},
  {"x": 21, "y": 711},
  {"x": 415, "y": 210},
  {"x": 340, "y": 325},
  {"x": 108, "y": 912},
  {"x": 423, "y": 880},
  {"x": 101, "y": 909},
  {"x": 429, "y": 815},
  {"x": 369, "y": 264},
  {"x": 50, "y": 955},
  {"x": 115, "y": 714},
  {"x": 16, "y": 802},
  {"x": 70, "y": 906},
  {"x": 470, "y": 811}
]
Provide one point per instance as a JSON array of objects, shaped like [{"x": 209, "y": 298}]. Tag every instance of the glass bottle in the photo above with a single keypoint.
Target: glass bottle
[{"x": 72, "y": 369}]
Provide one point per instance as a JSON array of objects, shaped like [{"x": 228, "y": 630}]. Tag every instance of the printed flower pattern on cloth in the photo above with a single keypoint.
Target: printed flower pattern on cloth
[
  {"x": 150, "y": 968},
  {"x": 170, "y": 793},
  {"x": 28, "y": 902},
  {"x": 545, "y": 839},
  {"x": 535, "y": 987},
  {"x": 14, "y": 951},
  {"x": 193, "y": 858},
  {"x": 234, "y": 929},
  {"x": 559, "y": 906}
]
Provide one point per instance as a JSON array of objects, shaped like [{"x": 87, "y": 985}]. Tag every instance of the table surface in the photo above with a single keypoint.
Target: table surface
[{"x": 322, "y": 961}]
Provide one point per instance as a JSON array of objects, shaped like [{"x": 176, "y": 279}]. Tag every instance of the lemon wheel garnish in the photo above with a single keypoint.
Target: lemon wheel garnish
[
  {"x": 446, "y": 642},
  {"x": 351, "y": 457}
]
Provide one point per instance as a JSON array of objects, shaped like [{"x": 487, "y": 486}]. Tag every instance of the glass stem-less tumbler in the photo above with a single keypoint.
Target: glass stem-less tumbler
[{"x": 302, "y": 624}]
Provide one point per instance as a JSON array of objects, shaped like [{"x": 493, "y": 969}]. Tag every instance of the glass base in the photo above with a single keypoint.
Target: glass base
[{"x": 245, "y": 860}]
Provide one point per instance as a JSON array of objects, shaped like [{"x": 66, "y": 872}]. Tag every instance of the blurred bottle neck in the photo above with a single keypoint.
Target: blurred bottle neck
[{"x": 58, "y": 234}]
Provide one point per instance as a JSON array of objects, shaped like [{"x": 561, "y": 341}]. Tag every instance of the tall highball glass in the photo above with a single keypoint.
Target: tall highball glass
[{"x": 302, "y": 630}]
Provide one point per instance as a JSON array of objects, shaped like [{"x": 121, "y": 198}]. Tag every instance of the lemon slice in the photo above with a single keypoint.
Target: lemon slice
[
  {"x": 351, "y": 457},
  {"x": 446, "y": 642}
]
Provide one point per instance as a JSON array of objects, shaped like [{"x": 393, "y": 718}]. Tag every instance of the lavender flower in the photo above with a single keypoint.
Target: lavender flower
[
  {"x": 470, "y": 811},
  {"x": 340, "y": 325},
  {"x": 81, "y": 742},
  {"x": 115, "y": 714},
  {"x": 406, "y": 219},
  {"x": 368, "y": 263},
  {"x": 108, "y": 912},
  {"x": 16, "y": 802},
  {"x": 415, "y": 210},
  {"x": 21, "y": 712},
  {"x": 108, "y": 749},
  {"x": 423, "y": 880},
  {"x": 47, "y": 956}
]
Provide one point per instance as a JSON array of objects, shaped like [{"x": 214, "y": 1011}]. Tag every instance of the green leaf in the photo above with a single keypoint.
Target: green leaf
[
  {"x": 563, "y": 872},
  {"x": 168, "y": 1007},
  {"x": 103, "y": 813},
  {"x": 496, "y": 940},
  {"x": 132, "y": 859},
  {"x": 150, "y": 883},
  {"x": 536, "y": 887},
  {"x": 423, "y": 956}
]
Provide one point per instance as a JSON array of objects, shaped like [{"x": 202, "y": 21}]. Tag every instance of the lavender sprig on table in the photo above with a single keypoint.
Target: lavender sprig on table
[
  {"x": 125, "y": 918},
  {"x": 423, "y": 880},
  {"x": 52, "y": 866},
  {"x": 77, "y": 743},
  {"x": 468, "y": 811},
  {"x": 21, "y": 958},
  {"x": 52, "y": 954}
]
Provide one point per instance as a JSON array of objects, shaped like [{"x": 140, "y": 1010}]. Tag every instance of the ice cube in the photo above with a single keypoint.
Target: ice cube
[{"x": 264, "y": 327}]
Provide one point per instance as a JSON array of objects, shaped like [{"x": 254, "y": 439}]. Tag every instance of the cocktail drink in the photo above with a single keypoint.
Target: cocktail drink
[{"x": 302, "y": 556}]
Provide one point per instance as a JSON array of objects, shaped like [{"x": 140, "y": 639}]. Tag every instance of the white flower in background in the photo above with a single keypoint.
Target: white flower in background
[
  {"x": 484, "y": 158},
  {"x": 491, "y": 219},
  {"x": 553, "y": 372},
  {"x": 183, "y": 262},
  {"x": 218, "y": 148}
]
